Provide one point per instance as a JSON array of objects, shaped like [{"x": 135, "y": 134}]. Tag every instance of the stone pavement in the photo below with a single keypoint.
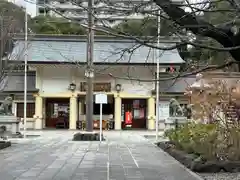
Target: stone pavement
[{"x": 124, "y": 156}]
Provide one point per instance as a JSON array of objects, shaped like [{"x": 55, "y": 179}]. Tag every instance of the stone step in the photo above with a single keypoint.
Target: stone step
[{"x": 9, "y": 119}]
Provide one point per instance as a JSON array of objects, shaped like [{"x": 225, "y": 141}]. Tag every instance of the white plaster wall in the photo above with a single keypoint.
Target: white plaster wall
[
  {"x": 138, "y": 88},
  {"x": 107, "y": 74},
  {"x": 56, "y": 80},
  {"x": 79, "y": 77},
  {"x": 135, "y": 86}
]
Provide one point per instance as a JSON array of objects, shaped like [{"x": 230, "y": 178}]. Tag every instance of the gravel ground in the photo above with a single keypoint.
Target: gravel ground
[{"x": 220, "y": 176}]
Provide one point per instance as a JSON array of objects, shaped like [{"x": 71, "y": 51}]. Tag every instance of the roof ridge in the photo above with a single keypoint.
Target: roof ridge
[{"x": 98, "y": 38}]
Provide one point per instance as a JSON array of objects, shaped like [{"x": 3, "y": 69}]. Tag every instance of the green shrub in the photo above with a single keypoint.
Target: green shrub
[{"x": 210, "y": 141}]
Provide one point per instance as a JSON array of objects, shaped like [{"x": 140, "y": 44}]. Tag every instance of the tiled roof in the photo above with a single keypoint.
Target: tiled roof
[
  {"x": 14, "y": 82},
  {"x": 176, "y": 86},
  {"x": 105, "y": 51}
]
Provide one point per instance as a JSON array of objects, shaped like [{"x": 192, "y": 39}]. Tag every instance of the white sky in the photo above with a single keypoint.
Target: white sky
[
  {"x": 20, "y": 2},
  {"x": 31, "y": 6}
]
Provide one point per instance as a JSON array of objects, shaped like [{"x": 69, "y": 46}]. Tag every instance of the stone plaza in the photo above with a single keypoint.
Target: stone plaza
[{"x": 125, "y": 155}]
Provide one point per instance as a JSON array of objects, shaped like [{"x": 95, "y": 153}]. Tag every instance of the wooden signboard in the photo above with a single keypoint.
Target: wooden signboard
[{"x": 97, "y": 87}]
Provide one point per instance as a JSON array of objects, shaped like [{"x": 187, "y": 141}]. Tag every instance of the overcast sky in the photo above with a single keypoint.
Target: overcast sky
[
  {"x": 31, "y": 6},
  {"x": 20, "y": 2}
]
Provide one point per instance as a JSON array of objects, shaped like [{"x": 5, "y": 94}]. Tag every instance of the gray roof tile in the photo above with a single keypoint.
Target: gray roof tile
[
  {"x": 14, "y": 82},
  {"x": 104, "y": 52},
  {"x": 176, "y": 86}
]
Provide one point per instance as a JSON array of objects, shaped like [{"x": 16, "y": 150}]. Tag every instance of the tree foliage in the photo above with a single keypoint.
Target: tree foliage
[
  {"x": 53, "y": 25},
  {"x": 212, "y": 29},
  {"x": 145, "y": 27},
  {"x": 12, "y": 18},
  {"x": 215, "y": 15},
  {"x": 214, "y": 131},
  {"x": 223, "y": 33},
  {"x": 11, "y": 21},
  {"x": 148, "y": 27},
  {"x": 139, "y": 27}
]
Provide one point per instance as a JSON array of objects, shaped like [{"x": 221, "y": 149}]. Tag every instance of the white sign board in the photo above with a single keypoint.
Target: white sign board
[
  {"x": 101, "y": 99},
  {"x": 163, "y": 110}
]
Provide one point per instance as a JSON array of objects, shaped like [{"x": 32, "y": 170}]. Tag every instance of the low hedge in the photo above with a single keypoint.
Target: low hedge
[{"x": 211, "y": 142}]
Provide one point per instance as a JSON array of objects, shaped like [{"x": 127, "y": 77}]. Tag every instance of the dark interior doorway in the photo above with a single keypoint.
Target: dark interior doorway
[
  {"x": 137, "y": 107},
  {"x": 57, "y": 113}
]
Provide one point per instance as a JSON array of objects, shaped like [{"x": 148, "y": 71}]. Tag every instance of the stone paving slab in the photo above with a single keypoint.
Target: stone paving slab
[{"x": 124, "y": 156}]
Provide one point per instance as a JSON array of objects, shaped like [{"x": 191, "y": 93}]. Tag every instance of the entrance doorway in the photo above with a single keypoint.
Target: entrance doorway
[
  {"x": 107, "y": 113},
  {"x": 57, "y": 113},
  {"x": 137, "y": 108}
]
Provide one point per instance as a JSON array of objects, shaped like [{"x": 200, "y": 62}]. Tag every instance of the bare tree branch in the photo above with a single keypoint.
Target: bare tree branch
[{"x": 224, "y": 35}]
